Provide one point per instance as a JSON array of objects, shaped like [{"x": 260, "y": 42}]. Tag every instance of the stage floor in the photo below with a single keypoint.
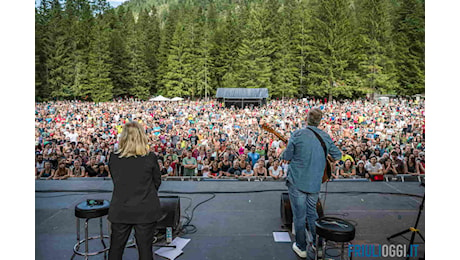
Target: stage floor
[{"x": 232, "y": 226}]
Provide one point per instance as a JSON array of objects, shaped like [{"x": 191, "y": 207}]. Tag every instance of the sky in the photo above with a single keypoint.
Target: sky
[{"x": 113, "y": 3}]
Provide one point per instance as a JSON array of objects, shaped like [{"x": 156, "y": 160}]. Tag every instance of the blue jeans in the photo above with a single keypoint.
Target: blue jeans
[{"x": 303, "y": 209}]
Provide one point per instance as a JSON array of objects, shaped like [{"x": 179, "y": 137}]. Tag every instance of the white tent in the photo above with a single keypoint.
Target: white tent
[
  {"x": 159, "y": 98},
  {"x": 177, "y": 99}
]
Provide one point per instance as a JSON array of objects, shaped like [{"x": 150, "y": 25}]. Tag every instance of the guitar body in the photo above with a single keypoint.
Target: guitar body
[{"x": 328, "y": 170}]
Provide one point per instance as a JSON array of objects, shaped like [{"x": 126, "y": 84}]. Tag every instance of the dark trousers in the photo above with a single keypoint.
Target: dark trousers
[{"x": 144, "y": 234}]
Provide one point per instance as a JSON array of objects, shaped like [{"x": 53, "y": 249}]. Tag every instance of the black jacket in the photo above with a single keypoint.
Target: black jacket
[{"x": 135, "y": 189}]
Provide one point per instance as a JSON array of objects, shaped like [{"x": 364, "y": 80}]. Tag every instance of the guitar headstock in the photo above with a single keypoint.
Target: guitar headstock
[{"x": 267, "y": 128}]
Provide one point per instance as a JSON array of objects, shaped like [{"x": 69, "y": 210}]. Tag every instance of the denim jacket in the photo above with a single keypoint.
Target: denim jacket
[{"x": 307, "y": 161}]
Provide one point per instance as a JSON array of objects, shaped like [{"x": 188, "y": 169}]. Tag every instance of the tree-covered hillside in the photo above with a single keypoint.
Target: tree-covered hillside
[{"x": 325, "y": 48}]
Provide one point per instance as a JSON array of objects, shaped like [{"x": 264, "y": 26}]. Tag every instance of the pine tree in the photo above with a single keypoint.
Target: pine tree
[
  {"x": 42, "y": 16},
  {"x": 149, "y": 25},
  {"x": 410, "y": 46},
  {"x": 332, "y": 48},
  {"x": 285, "y": 62},
  {"x": 302, "y": 39},
  {"x": 119, "y": 55},
  {"x": 227, "y": 40},
  {"x": 166, "y": 35},
  {"x": 140, "y": 75},
  {"x": 57, "y": 48},
  {"x": 335, "y": 48},
  {"x": 177, "y": 80},
  {"x": 254, "y": 68},
  {"x": 81, "y": 47},
  {"x": 202, "y": 61},
  {"x": 375, "y": 64},
  {"x": 99, "y": 86}
]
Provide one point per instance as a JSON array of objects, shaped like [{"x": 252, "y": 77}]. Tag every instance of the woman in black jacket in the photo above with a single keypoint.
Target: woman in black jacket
[{"x": 136, "y": 178}]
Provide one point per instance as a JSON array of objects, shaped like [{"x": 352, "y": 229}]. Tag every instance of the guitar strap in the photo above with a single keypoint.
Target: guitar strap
[{"x": 321, "y": 141}]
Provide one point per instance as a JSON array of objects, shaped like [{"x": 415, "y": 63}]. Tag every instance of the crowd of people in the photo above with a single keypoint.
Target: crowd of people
[{"x": 205, "y": 138}]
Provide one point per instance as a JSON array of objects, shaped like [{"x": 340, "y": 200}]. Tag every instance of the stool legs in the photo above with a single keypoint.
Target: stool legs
[
  {"x": 317, "y": 248},
  {"x": 86, "y": 239},
  {"x": 341, "y": 253},
  {"x": 324, "y": 250},
  {"x": 78, "y": 238},
  {"x": 323, "y": 247},
  {"x": 102, "y": 237},
  {"x": 351, "y": 253}
]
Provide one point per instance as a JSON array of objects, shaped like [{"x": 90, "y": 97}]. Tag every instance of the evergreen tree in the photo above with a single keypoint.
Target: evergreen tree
[
  {"x": 177, "y": 80},
  {"x": 80, "y": 49},
  {"x": 99, "y": 86},
  {"x": 332, "y": 49},
  {"x": 285, "y": 60},
  {"x": 42, "y": 16},
  {"x": 149, "y": 25},
  {"x": 57, "y": 48},
  {"x": 227, "y": 40},
  {"x": 166, "y": 35},
  {"x": 202, "y": 61},
  {"x": 375, "y": 44},
  {"x": 410, "y": 46},
  {"x": 301, "y": 39},
  {"x": 254, "y": 68},
  {"x": 140, "y": 75},
  {"x": 122, "y": 26}
]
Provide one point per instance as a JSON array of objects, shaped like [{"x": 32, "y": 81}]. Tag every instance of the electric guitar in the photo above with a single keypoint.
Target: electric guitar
[{"x": 329, "y": 162}]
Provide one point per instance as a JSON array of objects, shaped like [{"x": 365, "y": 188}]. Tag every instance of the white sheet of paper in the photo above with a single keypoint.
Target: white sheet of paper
[
  {"x": 281, "y": 237},
  {"x": 169, "y": 253},
  {"x": 173, "y": 253},
  {"x": 180, "y": 242}
]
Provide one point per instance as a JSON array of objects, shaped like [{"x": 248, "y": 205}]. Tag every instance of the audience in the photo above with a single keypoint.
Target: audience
[{"x": 205, "y": 138}]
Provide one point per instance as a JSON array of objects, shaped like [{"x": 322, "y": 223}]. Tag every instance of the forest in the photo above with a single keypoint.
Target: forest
[{"x": 87, "y": 50}]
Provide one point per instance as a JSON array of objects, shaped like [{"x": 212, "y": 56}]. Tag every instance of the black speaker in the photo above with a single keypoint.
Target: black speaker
[
  {"x": 171, "y": 206},
  {"x": 286, "y": 211}
]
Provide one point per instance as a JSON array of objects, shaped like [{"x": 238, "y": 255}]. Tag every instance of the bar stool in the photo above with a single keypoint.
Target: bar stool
[
  {"x": 87, "y": 210},
  {"x": 334, "y": 229}
]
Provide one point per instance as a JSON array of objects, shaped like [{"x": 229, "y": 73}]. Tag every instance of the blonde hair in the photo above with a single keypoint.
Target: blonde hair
[{"x": 133, "y": 141}]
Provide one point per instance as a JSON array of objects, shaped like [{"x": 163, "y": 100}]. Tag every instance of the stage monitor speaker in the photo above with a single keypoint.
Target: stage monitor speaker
[
  {"x": 170, "y": 205},
  {"x": 286, "y": 211}
]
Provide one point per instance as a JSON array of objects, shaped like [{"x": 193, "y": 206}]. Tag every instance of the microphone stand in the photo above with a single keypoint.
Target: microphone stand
[{"x": 413, "y": 229}]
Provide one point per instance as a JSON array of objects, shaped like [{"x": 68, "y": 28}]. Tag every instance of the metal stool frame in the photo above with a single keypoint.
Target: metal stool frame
[
  {"x": 323, "y": 247},
  {"x": 86, "y": 240}
]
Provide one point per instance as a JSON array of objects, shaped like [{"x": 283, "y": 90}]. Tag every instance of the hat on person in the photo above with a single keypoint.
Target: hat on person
[
  {"x": 361, "y": 161},
  {"x": 82, "y": 150}
]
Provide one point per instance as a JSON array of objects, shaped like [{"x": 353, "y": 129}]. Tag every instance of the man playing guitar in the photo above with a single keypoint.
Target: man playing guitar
[{"x": 307, "y": 162}]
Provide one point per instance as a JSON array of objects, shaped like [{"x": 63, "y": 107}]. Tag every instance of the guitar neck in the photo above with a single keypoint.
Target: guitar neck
[{"x": 273, "y": 131}]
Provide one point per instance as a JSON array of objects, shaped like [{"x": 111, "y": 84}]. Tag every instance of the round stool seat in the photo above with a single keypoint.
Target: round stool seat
[
  {"x": 335, "y": 229},
  {"x": 83, "y": 210}
]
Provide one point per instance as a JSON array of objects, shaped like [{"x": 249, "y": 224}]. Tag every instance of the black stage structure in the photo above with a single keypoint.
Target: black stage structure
[
  {"x": 242, "y": 97},
  {"x": 239, "y": 217}
]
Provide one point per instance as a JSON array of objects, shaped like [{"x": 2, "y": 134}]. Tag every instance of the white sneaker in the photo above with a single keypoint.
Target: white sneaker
[{"x": 300, "y": 253}]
